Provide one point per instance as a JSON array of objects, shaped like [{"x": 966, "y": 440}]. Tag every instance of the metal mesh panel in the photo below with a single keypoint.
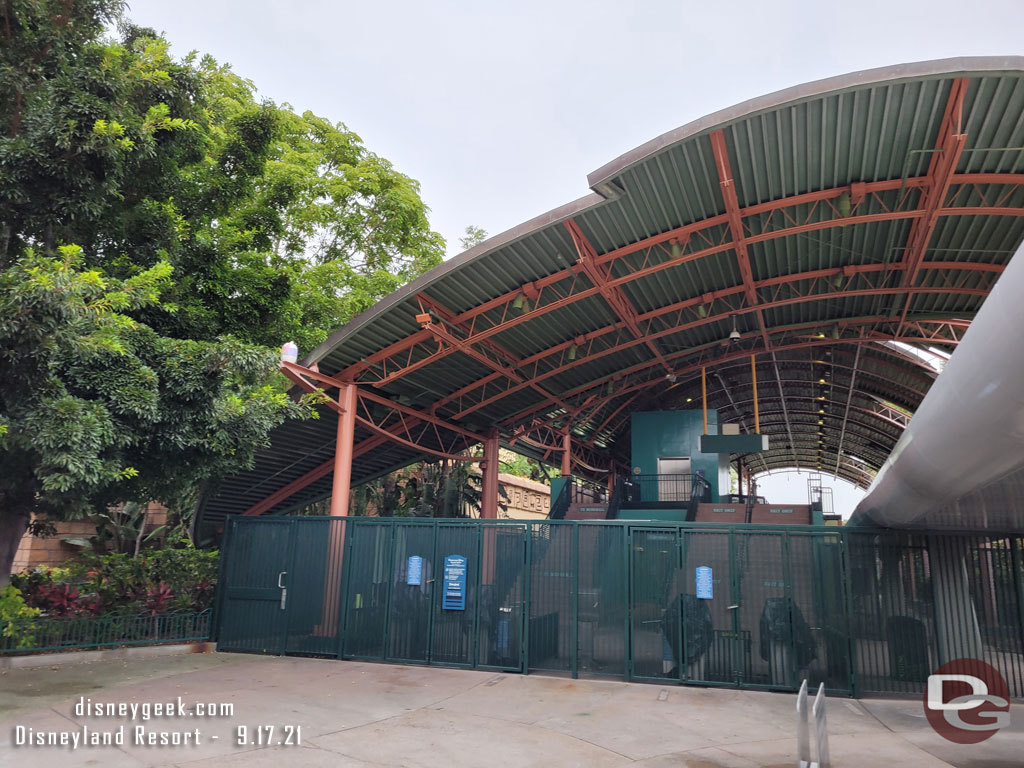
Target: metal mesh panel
[
  {"x": 715, "y": 649},
  {"x": 892, "y": 612},
  {"x": 601, "y": 601},
  {"x": 366, "y": 595},
  {"x": 315, "y": 588},
  {"x": 452, "y": 635},
  {"x": 552, "y": 579},
  {"x": 502, "y": 596},
  {"x": 767, "y": 613},
  {"x": 410, "y": 613},
  {"x": 655, "y": 590},
  {"x": 861, "y": 611},
  {"x": 819, "y": 626},
  {"x": 989, "y": 570}
]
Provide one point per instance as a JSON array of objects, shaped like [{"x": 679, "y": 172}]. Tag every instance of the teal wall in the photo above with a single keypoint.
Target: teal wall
[
  {"x": 677, "y": 433},
  {"x": 556, "y": 488}
]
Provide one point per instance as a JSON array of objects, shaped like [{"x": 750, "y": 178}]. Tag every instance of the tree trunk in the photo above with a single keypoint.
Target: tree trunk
[{"x": 13, "y": 524}]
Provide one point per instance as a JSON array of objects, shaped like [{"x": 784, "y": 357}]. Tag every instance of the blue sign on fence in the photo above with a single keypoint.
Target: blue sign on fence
[
  {"x": 414, "y": 572},
  {"x": 705, "y": 590},
  {"x": 454, "y": 583}
]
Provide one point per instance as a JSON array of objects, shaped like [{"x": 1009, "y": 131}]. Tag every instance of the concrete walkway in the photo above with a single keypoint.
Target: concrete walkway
[{"x": 355, "y": 714}]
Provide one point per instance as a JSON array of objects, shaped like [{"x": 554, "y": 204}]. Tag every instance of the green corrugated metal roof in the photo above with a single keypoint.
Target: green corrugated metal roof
[{"x": 875, "y": 126}]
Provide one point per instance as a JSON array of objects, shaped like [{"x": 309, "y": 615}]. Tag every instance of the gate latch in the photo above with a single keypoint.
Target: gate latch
[{"x": 283, "y": 588}]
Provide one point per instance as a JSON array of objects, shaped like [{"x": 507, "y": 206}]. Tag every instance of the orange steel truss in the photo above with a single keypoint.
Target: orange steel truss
[{"x": 575, "y": 425}]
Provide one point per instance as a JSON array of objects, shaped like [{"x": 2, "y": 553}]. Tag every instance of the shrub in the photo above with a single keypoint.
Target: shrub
[
  {"x": 155, "y": 582},
  {"x": 16, "y": 618}
]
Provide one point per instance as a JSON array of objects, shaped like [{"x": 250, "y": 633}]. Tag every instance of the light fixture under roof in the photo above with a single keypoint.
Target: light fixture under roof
[{"x": 734, "y": 335}]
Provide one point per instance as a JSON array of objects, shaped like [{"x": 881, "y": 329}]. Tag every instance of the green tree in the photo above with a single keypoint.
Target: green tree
[
  {"x": 207, "y": 227},
  {"x": 473, "y": 237},
  {"x": 98, "y": 409},
  {"x": 280, "y": 226}
]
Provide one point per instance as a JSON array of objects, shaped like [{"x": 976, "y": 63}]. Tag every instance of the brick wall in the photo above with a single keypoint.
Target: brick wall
[
  {"x": 35, "y": 552},
  {"x": 763, "y": 514}
]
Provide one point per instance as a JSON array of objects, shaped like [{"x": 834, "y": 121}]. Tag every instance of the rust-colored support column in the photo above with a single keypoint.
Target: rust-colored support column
[
  {"x": 489, "y": 483},
  {"x": 340, "y": 487},
  {"x": 343, "y": 451},
  {"x": 611, "y": 478},
  {"x": 566, "y": 454}
]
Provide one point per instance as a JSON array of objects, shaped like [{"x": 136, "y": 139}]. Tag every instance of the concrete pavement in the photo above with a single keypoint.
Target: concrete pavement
[{"x": 359, "y": 714}]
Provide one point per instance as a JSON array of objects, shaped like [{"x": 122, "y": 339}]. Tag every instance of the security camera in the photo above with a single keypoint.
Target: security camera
[{"x": 734, "y": 335}]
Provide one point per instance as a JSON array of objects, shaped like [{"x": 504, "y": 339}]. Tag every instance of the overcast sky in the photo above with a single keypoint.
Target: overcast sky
[{"x": 501, "y": 110}]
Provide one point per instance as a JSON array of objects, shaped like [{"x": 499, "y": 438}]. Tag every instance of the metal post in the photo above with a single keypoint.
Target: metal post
[
  {"x": 489, "y": 484},
  {"x": 524, "y": 645},
  {"x": 343, "y": 451},
  {"x": 392, "y": 572},
  {"x": 790, "y": 665},
  {"x": 821, "y": 729},
  {"x": 222, "y": 587},
  {"x": 474, "y": 655},
  {"x": 575, "y": 598},
  {"x": 753, "y": 384},
  {"x": 566, "y": 454},
  {"x": 851, "y": 642},
  {"x": 803, "y": 736},
  {"x": 436, "y": 579},
  {"x": 344, "y": 594},
  {"x": 704, "y": 395},
  {"x": 627, "y": 551}
]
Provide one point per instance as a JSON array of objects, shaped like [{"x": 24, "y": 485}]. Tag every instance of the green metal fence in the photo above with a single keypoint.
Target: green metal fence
[
  {"x": 87, "y": 632},
  {"x": 749, "y": 606}
]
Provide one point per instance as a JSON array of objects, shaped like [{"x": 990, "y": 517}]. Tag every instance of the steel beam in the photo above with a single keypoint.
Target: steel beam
[
  {"x": 687, "y": 311},
  {"x": 600, "y": 276},
  {"x": 849, "y": 398},
  {"x": 703, "y": 350},
  {"x": 941, "y": 168},
  {"x": 503, "y": 303}
]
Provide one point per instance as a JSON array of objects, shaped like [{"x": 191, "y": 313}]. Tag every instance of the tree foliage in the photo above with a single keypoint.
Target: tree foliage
[
  {"x": 160, "y": 230},
  {"x": 473, "y": 237}
]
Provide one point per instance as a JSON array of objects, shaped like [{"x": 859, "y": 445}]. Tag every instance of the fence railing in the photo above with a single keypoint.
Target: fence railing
[
  {"x": 664, "y": 489},
  {"x": 87, "y": 632},
  {"x": 756, "y": 606}
]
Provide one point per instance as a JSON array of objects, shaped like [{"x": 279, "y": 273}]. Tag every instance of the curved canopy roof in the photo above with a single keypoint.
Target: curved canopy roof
[{"x": 840, "y": 226}]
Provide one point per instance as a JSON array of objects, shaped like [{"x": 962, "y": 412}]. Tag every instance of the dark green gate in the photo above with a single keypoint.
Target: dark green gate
[{"x": 749, "y": 606}]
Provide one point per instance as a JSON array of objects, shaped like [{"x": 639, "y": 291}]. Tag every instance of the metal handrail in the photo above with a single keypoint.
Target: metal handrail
[
  {"x": 663, "y": 488},
  {"x": 562, "y": 502}
]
